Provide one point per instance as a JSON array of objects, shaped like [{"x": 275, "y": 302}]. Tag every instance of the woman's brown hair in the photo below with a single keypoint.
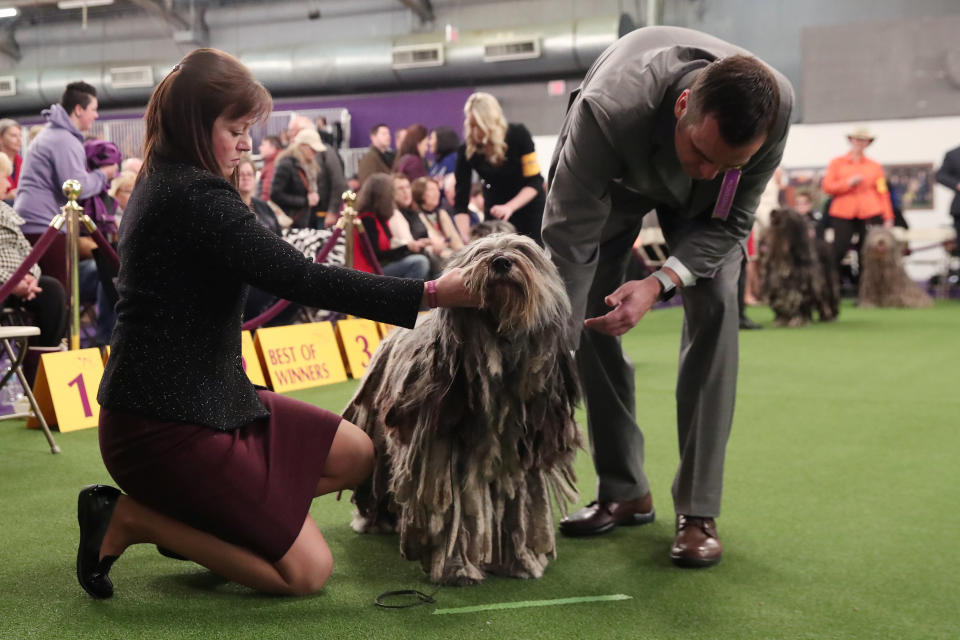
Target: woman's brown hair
[
  {"x": 376, "y": 196},
  {"x": 205, "y": 85},
  {"x": 415, "y": 133}
]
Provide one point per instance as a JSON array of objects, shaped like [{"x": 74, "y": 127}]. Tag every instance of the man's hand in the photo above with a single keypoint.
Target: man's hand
[
  {"x": 27, "y": 289},
  {"x": 501, "y": 211},
  {"x": 110, "y": 171},
  {"x": 85, "y": 247},
  {"x": 313, "y": 198},
  {"x": 631, "y": 301},
  {"x": 855, "y": 180}
]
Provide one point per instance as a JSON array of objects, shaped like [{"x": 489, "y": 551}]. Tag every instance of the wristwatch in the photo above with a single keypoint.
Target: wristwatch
[{"x": 669, "y": 288}]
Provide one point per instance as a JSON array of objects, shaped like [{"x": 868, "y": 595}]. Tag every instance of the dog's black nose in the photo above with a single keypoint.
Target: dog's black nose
[{"x": 501, "y": 264}]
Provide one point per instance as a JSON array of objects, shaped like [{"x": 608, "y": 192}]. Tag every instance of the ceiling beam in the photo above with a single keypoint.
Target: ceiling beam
[
  {"x": 422, "y": 8},
  {"x": 161, "y": 10},
  {"x": 8, "y": 43}
]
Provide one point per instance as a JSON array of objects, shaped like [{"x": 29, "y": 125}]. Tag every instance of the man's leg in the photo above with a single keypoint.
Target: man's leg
[
  {"x": 706, "y": 390},
  {"x": 607, "y": 377}
]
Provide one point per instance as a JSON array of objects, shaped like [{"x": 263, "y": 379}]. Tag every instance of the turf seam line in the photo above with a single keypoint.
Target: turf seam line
[{"x": 522, "y": 604}]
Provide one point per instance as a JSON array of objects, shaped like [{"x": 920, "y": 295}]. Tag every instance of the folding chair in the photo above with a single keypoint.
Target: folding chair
[{"x": 19, "y": 335}]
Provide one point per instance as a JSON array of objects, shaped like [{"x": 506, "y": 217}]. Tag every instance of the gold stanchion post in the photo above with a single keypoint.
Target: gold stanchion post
[
  {"x": 72, "y": 212},
  {"x": 347, "y": 223}
]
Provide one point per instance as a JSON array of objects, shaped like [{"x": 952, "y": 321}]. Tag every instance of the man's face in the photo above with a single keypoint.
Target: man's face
[
  {"x": 702, "y": 152},
  {"x": 402, "y": 193},
  {"x": 86, "y": 116},
  {"x": 858, "y": 145},
  {"x": 804, "y": 204},
  {"x": 266, "y": 149},
  {"x": 11, "y": 140},
  {"x": 380, "y": 139}
]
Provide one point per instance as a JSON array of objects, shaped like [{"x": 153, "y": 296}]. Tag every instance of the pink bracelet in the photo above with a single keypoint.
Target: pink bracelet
[{"x": 431, "y": 287}]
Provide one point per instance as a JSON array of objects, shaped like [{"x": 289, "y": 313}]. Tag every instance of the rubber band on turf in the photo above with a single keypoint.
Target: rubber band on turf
[{"x": 421, "y": 598}]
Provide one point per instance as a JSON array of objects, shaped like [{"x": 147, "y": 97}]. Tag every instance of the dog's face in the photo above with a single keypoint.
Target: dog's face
[
  {"x": 880, "y": 242},
  {"x": 517, "y": 283}
]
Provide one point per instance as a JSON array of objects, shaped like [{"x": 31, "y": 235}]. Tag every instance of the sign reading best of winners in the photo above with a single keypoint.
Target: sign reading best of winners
[{"x": 300, "y": 356}]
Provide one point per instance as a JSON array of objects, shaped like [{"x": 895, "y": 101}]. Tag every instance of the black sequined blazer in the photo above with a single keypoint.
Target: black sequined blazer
[{"x": 188, "y": 249}]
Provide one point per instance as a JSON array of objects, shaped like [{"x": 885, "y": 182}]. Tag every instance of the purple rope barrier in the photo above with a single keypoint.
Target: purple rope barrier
[
  {"x": 105, "y": 247},
  {"x": 368, "y": 252},
  {"x": 280, "y": 305},
  {"x": 32, "y": 258}
]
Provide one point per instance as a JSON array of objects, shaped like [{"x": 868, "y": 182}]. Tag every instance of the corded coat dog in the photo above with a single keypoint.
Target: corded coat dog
[
  {"x": 883, "y": 280},
  {"x": 471, "y": 415},
  {"x": 796, "y": 271}
]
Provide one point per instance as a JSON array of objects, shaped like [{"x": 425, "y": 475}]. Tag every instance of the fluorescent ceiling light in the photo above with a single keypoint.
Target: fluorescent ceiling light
[
  {"x": 79, "y": 4},
  {"x": 9, "y": 12}
]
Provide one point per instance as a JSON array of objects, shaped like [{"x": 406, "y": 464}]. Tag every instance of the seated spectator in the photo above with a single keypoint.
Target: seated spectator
[
  {"x": 294, "y": 186},
  {"x": 443, "y": 143},
  {"x": 353, "y": 184},
  {"x": 10, "y": 144},
  {"x": 57, "y": 155},
  {"x": 375, "y": 205},
  {"x": 41, "y": 296},
  {"x": 131, "y": 164},
  {"x": 473, "y": 216},
  {"x": 426, "y": 197},
  {"x": 377, "y": 159},
  {"x": 411, "y": 155},
  {"x": 269, "y": 148},
  {"x": 120, "y": 189}
]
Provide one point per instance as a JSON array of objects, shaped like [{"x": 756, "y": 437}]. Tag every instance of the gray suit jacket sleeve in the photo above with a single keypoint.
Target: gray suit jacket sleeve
[{"x": 583, "y": 165}]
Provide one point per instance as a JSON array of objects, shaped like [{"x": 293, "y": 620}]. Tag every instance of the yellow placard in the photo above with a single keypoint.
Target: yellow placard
[
  {"x": 301, "y": 356},
  {"x": 106, "y": 355},
  {"x": 385, "y": 328},
  {"x": 251, "y": 361},
  {"x": 359, "y": 339},
  {"x": 66, "y": 389}
]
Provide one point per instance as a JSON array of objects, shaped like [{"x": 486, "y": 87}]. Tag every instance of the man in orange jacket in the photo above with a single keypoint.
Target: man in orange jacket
[{"x": 860, "y": 194}]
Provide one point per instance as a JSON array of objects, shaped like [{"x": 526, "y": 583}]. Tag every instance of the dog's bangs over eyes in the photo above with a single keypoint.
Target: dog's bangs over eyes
[{"x": 514, "y": 279}]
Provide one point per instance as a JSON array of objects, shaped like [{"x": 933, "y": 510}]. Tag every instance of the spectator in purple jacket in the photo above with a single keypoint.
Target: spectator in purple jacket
[
  {"x": 57, "y": 155},
  {"x": 411, "y": 153}
]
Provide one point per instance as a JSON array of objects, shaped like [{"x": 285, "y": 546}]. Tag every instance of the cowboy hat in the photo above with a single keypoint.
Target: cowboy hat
[
  {"x": 860, "y": 133},
  {"x": 311, "y": 138}
]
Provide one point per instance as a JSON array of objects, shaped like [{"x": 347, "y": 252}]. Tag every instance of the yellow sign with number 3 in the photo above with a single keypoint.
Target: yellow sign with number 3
[{"x": 360, "y": 339}]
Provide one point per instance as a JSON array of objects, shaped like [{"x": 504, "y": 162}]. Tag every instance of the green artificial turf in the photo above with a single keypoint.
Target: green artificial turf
[{"x": 840, "y": 517}]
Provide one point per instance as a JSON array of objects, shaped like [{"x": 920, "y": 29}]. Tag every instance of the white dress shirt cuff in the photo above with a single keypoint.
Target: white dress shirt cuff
[{"x": 686, "y": 277}]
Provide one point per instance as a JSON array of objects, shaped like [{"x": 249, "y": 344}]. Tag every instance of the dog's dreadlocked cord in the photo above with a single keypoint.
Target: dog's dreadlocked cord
[{"x": 421, "y": 598}]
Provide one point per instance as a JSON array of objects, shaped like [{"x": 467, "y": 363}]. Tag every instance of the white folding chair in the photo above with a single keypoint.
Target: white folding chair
[{"x": 19, "y": 335}]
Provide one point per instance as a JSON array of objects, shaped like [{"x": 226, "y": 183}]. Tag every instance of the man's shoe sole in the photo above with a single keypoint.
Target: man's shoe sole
[{"x": 694, "y": 563}]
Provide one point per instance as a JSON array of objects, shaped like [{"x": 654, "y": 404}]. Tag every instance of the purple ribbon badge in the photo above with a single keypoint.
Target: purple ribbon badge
[{"x": 727, "y": 190}]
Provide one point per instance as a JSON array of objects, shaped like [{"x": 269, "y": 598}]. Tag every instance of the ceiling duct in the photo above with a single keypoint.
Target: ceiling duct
[
  {"x": 319, "y": 68},
  {"x": 8, "y": 86}
]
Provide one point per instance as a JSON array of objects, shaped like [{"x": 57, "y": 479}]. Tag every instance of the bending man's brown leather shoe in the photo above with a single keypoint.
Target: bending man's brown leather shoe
[
  {"x": 696, "y": 543},
  {"x": 600, "y": 517}
]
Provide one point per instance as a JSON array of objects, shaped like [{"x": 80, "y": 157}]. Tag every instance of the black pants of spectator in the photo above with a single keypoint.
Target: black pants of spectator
[
  {"x": 843, "y": 231},
  {"x": 48, "y": 311},
  {"x": 956, "y": 241}
]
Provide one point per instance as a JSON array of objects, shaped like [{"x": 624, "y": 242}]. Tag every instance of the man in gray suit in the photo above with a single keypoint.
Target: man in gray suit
[{"x": 687, "y": 124}]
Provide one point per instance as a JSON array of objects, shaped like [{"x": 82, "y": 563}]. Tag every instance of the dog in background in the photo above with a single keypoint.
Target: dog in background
[
  {"x": 471, "y": 415},
  {"x": 883, "y": 280},
  {"x": 489, "y": 227},
  {"x": 797, "y": 276}
]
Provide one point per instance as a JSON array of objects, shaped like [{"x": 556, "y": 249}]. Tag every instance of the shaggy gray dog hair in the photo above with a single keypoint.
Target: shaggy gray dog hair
[
  {"x": 471, "y": 415},
  {"x": 883, "y": 280}
]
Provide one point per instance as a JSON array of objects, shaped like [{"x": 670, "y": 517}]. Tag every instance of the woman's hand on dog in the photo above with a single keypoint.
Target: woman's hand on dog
[
  {"x": 630, "y": 303},
  {"x": 452, "y": 292}
]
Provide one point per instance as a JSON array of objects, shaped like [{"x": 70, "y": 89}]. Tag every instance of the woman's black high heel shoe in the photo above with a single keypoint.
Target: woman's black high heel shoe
[{"x": 95, "y": 507}]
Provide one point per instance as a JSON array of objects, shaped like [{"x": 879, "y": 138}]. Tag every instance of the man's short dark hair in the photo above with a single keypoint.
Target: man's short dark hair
[
  {"x": 741, "y": 93},
  {"x": 77, "y": 93},
  {"x": 376, "y": 127},
  {"x": 275, "y": 141}
]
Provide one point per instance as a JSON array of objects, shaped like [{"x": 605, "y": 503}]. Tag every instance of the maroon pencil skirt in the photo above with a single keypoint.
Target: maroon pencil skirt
[{"x": 251, "y": 486}]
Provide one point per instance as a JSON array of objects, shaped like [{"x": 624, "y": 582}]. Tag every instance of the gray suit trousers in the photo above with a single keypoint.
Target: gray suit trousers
[{"x": 706, "y": 384}]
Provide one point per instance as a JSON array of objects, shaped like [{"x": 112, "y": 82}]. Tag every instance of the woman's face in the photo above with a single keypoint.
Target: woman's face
[
  {"x": 11, "y": 140},
  {"x": 246, "y": 179},
  {"x": 307, "y": 152},
  {"x": 422, "y": 146},
  {"x": 479, "y": 137},
  {"x": 433, "y": 142},
  {"x": 431, "y": 196},
  {"x": 231, "y": 139}
]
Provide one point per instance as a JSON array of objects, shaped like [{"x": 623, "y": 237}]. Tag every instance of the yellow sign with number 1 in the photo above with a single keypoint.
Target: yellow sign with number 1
[{"x": 66, "y": 389}]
